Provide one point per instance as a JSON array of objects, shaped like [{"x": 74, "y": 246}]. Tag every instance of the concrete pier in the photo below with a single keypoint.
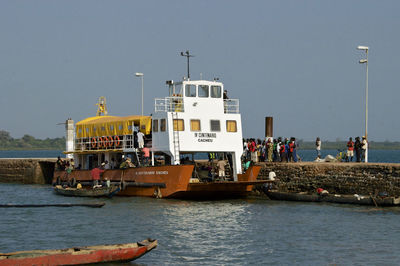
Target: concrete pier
[
  {"x": 339, "y": 178},
  {"x": 27, "y": 170}
]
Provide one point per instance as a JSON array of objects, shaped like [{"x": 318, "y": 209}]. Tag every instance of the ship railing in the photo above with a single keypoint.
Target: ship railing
[
  {"x": 124, "y": 142},
  {"x": 231, "y": 106},
  {"x": 169, "y": 104}
]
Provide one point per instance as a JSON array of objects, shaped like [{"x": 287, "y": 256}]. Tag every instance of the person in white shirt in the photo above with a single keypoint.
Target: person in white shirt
[
  {"x": 140, "y": 136},
  {"x": 318, "y": 147},
  {"x": 364, "y": 145}
]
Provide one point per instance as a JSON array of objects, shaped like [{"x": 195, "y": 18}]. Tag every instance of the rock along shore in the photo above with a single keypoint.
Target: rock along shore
[{"x": 338, "y": 178}]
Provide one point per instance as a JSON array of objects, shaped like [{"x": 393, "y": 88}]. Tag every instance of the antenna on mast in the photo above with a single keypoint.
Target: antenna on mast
[{"x": 188, "y": 55}]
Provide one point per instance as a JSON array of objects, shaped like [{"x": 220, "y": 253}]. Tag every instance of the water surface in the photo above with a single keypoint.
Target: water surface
[{"x": 230, "y": 232}]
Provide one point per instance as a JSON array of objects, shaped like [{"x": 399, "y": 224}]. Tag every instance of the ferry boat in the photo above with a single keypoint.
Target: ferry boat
[{"x": 195, "y": 118}]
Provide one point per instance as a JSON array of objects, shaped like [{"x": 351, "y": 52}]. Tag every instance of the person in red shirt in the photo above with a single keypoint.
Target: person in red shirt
[
  {"x": 146, "y": 155},
  {"x": 95, "y": 173},
  {"x": 252, "y": 149},
  {"x": 350, "y": 150}
]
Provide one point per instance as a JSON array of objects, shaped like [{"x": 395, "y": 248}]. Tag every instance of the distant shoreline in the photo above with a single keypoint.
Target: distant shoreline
[{"x": 342, "y": 145}]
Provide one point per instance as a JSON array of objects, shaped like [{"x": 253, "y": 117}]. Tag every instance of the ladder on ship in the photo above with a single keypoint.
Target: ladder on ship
[{"x": 175, "y": 135}]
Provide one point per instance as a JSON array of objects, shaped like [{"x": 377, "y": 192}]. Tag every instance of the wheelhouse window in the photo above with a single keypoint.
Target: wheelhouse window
[
  {"x": 215, "y": 125},
  {"x": 163, "y": 125},
  {"x": 231, "y": 126},
  {"x": 195, "y": 125},
  {"x": 179, "y": 125},
  {"x": 155, "y": 125},
  {"x": 216, "y": 91},
  {"x": 190, "y": 90},
  {"x": 203, "y": 91},
  {"x": 175, "y": 90}
]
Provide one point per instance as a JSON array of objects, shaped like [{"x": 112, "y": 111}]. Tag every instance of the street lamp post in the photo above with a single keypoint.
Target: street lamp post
[
  {"x": 138, "y": 74},
  {"x": 365, "y": 61}
]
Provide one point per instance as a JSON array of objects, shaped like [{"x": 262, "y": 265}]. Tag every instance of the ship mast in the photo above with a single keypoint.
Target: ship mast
[{"x": 188, "y": 55}]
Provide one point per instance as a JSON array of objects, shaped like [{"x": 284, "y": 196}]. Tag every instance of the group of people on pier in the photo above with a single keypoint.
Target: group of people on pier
[
  {"x": 359, "y": 147},
  {"x": 355, "y": 148},
  {"x": 270, "y": 150}
]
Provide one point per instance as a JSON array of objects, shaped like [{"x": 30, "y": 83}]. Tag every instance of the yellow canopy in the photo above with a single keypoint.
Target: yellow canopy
[{"x": 99, "y": 126}]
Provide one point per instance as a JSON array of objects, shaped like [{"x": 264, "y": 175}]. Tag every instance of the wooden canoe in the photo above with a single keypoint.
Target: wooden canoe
[
  {"x": 79, "y": 255},
  {"x": 334, "y": 198},
  {"x": 87, "y": 192}
]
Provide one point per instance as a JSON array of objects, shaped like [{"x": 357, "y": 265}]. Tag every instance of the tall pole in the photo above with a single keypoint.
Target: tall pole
[
  {"x": 365, "y": 61},
  {"x": 188, "y": 55},
  {"x": 142, "y": 94},
  {"x": 366, "y": 110},
  {"x": 141, "y": 75},
  {"x": 188, "y": 67}
]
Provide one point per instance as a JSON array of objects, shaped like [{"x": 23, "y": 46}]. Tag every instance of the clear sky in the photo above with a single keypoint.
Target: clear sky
[{"x": 294, "y": 60}]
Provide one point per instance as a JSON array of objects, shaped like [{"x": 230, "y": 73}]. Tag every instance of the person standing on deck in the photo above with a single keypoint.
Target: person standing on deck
[
  {"x": 135, "y": 141},
  {"x": 146, "y": 156},
  {"x": 225, "y": 95},
  {"x": 350, "y": 150},
  {"x": 95, "y": 173},
  {"x": 221, "y": 167},
  {"x": 318, "y": 147},
  {"x": 141, "y": 138}
]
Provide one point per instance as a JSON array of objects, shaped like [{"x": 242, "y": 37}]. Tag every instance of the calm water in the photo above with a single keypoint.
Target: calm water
[{"x": 232, "y": 232}]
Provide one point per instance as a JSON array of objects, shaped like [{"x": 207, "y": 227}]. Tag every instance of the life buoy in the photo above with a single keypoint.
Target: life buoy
[
  {"x": 110, "y": 141},
  {"x": 117, "y": 141},
  {"x": 105, "y": 142},
  {"x": 94, "y": 143},
  {"x": 100, "y": 142}
]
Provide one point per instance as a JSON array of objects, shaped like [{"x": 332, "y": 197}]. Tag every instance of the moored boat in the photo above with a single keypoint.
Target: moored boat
[
  {"x": 334, "y": 198},
  {"x": 79, "y": 255},
  {"x": 195, "y": 118},
  {"x": 87, "y": 192}
]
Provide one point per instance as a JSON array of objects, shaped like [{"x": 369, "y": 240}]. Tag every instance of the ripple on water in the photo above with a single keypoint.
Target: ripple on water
[{"x": 230, "y": 232}]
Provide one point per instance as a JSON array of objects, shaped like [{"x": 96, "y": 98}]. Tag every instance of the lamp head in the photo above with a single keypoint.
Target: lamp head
[
  {"x": 362, "y": 61},
  {"x": 365, "y": 48},
  {"x": 137, "y": 74}
]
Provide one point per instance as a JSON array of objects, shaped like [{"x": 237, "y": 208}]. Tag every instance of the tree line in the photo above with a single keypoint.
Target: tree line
[{"x": 28, "y": 142}]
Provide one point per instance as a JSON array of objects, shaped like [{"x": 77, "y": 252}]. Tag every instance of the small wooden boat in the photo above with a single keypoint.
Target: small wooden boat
[
  {"x": 87, "y": 192},
  {"x": 334, "y": 198},
  {"x": 79, "y": 255}
]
